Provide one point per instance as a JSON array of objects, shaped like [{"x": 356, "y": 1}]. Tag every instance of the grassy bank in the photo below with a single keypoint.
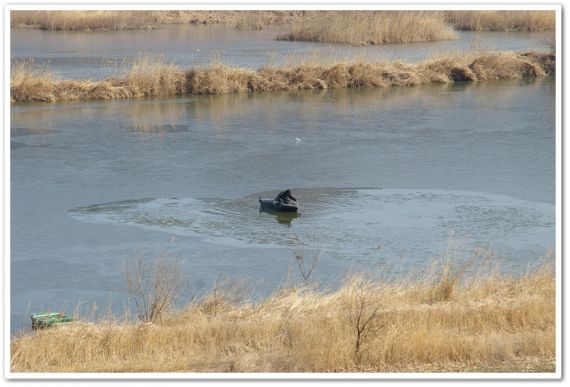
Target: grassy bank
[
  {"x": 508, "y": 21},
  {"x": 355, "y": 27},
  {"x": 150, "y": 76},
  {"x": 84, "y": 20},
  {"x": 124, "y": 20},
  {"x": 441, "y": 322}
]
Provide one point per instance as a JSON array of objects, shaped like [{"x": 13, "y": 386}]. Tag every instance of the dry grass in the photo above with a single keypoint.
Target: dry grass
[
  {"x": 371, "y": 27},
  {"x": 355, "y": 27},
  {"x": 31, "y": 83},
  {"x": 489, "y": 323},
  {"x": 84, "y": 20},
  {"x": 502, "y": 20},
  {"x": 124, "y": 20},
  {"x": 150, "y": 76},
  {"x": 252, "y": 21}
]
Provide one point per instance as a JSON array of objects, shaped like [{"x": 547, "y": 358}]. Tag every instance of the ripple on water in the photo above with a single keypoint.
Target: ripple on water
[
  {"x": 345, "y": 221},
  {"x": 162, "y": 128},
  {"x": 17, "y": 131}
]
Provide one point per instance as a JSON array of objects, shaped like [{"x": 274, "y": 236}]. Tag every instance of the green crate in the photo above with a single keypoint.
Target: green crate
[{"x": 46, "y": 320}]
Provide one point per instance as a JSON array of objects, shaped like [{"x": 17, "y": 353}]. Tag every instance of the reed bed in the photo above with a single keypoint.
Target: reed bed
[
  {"x": 84, "y": 20},
  {"x": 507, "y": 21},
  {"x": 486, "y": 323},
  {"x": 354, "y": 27},
  {"x": 151, "y": 76},
  {"x": 125, "y": 20},
  {"x": 371, "y": 27}
]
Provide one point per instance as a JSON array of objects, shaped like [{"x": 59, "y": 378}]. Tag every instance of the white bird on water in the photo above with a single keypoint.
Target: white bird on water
[{"x": 297, "y": 139}]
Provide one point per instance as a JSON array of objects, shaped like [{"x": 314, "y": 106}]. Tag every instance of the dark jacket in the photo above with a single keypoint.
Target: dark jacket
[{"x": 284, "y": 196}]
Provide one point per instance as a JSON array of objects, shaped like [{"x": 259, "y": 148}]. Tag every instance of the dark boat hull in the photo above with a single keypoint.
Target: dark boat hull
[{"x": 272, "y": 205}]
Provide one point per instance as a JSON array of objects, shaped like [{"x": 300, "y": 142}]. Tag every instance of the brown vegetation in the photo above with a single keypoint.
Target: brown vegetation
[
  {"x": 154, "y": 287},
  {"x": 502, "y": 20},
  {"x": 150, "y": 76},
  {"x": 371, "y": 27},
  {"x": 487, "y": 323},
  {"x": 123, "y": 20},
  {"x": 355, "y": 27},
  {"x": 84, "y": 20}
]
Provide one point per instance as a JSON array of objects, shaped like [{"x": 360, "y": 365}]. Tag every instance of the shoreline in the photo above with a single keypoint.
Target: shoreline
[
  {"x": 443, "y": 321},
  {"x": 150, "y": 77},
  {"x": 484, "y": 20}
]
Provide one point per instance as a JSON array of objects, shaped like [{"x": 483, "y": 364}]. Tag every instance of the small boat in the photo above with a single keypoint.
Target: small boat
[{"x": 273, "y": 205}]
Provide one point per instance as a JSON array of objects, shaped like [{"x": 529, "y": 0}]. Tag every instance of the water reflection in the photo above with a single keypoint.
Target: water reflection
[
  {"x": 157, "y": 116},
  {"x": 228, "y": 115},
  {"x": 285, "y": 218},
  {"x": 42, "y": 118},
  {"x": 308, "y": 104},
  {"x": 16, "y": 132},
  {"x": 30, "y": 120},
  {"x": 16, "y": 145}
]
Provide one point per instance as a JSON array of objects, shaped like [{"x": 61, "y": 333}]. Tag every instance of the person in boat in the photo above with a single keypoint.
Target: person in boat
[{"x": 284, "y": 196}]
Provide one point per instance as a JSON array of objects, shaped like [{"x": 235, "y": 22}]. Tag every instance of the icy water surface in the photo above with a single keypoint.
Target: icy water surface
[
  {"x": 386, "y": 177},
  {"x": 100, "y": 54},
  {"x": 348, "y": 222}
]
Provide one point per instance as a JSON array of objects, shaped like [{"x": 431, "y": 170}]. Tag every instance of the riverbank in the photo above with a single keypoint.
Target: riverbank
[
  {"x": 129, "y": 20},
  {"x": 151, "y": 76},
  {"x": 106, "y": 20},
  {"x": 447, "y": 321}
]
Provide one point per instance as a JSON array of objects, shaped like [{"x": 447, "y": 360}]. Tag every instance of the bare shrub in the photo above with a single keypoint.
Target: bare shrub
[
  {"x": 154, "y": 286},
  {"x": 302, "y": 256},
  {"x": 361, "y": 306}
]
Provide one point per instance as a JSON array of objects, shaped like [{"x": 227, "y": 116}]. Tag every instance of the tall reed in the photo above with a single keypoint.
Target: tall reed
[
  {"x": 371, "y": 27},
  {"x": 29, "y": 82},
  {"x": 125, "y": 20},
  {"x": 488, "y": 323},
  {"x": 151, "y": 76},
  {"x": 502, "y": 20},
  {"x": 354, "y": 27},
  {"x": 84, "y": 20}
]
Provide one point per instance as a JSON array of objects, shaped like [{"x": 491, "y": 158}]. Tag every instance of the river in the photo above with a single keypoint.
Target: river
[
  {"x": 387, "y": 178},
  {"x": 96, "y": 55}
]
